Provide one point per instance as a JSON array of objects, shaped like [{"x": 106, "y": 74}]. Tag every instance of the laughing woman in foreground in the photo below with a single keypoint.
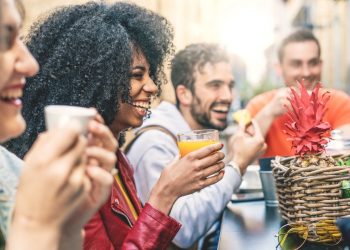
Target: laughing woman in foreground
[
  {"x": 111, "y": 57},
  {"x": 54, "y": 185}
]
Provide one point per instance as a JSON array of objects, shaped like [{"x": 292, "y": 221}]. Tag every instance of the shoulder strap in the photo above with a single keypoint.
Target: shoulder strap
[{"x": 144, "y": 129}]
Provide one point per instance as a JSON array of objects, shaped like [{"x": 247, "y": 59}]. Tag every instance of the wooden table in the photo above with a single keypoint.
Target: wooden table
[{"x": 252, "y": 225}]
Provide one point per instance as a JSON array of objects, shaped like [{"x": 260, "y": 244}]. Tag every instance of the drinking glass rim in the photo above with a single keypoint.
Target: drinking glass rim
[{"x": 203, "y": 132}]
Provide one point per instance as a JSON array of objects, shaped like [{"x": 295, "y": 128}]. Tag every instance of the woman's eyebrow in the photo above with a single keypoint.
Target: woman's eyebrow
[{"x": 139, "y": 67}]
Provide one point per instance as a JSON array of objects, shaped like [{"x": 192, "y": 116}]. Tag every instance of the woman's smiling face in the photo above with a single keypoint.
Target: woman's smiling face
[
  {"x": 142, "y": 89},
  {"x": 16, "y": 63}
]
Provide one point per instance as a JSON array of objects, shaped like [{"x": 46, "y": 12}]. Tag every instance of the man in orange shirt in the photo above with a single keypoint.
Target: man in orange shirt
[{"x": 299, "y": 58}]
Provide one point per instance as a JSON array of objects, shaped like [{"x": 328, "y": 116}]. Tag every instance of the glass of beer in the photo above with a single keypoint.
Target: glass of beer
[{"x": 196, "y": 139}]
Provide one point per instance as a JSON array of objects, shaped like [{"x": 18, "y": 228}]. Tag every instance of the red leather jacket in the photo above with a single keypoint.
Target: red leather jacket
[{"x": 114, "y": 227}]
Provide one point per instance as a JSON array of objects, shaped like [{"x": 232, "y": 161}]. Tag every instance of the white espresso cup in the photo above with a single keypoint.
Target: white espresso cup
[{"x": 58, "y": 116}]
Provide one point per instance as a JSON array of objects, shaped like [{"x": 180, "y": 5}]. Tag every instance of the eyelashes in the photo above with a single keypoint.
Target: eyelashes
[{"x": 137, "y": 76}]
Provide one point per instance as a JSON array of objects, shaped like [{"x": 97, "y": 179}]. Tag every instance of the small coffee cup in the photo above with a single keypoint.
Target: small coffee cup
[{"x": 58, "y": 116}]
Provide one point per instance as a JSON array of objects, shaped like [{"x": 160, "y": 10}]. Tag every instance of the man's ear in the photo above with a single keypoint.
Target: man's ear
[{"x": 184, "y": 95}]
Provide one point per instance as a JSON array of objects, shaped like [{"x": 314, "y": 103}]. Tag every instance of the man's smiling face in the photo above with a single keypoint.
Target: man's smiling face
[{"x": 212, "y": 95}]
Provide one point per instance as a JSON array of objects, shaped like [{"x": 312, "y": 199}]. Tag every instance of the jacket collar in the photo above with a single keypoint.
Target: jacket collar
[{"x": 118, "y": 203}]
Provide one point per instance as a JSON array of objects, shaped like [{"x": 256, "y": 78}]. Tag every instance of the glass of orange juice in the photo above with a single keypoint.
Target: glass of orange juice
[{"x": 196, "y": 139}]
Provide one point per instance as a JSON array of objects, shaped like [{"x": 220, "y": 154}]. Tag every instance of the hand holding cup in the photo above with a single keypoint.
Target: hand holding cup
[{"x": 58, "y": 116}]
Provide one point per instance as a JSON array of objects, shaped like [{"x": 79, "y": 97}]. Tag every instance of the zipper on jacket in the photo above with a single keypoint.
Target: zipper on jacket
[{"x": 123, "y": 215}]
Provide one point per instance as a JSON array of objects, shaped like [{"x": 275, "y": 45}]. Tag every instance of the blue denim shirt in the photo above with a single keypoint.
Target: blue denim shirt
[{"x": 10, "y": 169}]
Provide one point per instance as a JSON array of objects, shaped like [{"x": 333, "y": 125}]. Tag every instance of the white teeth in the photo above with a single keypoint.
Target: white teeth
[
  {"x": 220, "y": 109},
  {"x": 11, "y": 93},
  {"x": 144, "y": 105}
]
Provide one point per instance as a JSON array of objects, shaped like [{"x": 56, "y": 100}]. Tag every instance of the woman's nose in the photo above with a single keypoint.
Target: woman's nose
[
  {"x": 150, "y": 86},
  {"x": 25, "y": 62}
]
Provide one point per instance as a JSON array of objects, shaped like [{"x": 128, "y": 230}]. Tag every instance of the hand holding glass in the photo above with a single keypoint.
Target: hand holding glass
[{"x": 196, "y": 139}]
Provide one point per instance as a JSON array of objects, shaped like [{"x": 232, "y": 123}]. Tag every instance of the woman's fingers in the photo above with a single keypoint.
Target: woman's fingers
[
  {"x": 195, "y": 171},
  {"x": 75, "y": 188},
  {"x": 213, "y": 169},
  {"x": 99, "y": 175},
  {"x": 99, "y": 118},
  {"x": 101, "y": 178},
  {"x": 102, "y": 145},
  {"x": 213, "y": 179},
  {"x": 72, "y": 158},
  {"x": 93, "y": 162},
  {"x": 205, "y": 151},
  {"x": 106, "y": 159},
  {"x": 102, "y": 134},
  {"x": 211, "y": 159}
]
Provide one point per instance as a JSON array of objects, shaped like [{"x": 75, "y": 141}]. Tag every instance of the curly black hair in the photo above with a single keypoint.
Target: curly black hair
[{"x": 85, "y": 57}]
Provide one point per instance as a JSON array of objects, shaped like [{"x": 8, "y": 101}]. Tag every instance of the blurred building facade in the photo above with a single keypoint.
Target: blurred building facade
[
  {"x": 329, "y": 20},
  {"x": 207, "y": 20}
]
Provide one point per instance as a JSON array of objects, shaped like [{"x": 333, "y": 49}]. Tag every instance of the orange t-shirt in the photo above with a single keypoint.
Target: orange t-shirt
[{"x": 338, "y": 114}]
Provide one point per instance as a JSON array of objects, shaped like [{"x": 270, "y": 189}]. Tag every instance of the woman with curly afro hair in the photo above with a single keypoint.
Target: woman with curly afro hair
[
  {"x": 54, "y": 159},
  {"x": 111, "y": 57}
]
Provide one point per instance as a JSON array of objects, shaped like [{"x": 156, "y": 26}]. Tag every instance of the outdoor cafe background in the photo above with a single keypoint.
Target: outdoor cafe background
[{"x": 250, "y": 29}]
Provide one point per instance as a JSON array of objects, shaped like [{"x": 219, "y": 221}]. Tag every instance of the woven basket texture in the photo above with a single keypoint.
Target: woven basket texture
[{"x": 310, "y": 197}]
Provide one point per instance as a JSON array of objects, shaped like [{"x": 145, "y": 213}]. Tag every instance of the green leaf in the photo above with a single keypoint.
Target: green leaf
[
  {"x": 345, "y": 184},
  {"x": 347, "y": 163}
]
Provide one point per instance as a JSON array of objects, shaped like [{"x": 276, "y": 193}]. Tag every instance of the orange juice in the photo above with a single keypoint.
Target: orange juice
[{"x": 186, "y": 147}]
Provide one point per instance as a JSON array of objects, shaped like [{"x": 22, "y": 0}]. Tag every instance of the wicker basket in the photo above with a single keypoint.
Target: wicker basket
[{"x": 310, "y": 198}]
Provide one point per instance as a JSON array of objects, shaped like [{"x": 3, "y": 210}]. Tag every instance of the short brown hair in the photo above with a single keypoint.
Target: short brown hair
[
  {"x": 301, "y": 35},
  {"x": 193, "y": 58}
]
